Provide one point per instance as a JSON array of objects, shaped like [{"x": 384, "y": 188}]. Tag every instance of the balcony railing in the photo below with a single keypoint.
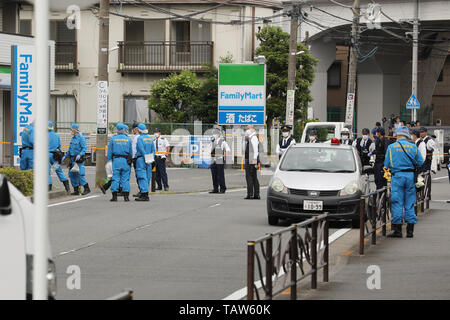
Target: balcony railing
[
  {"x": 66, "y": 57},
  {"x": 165, "y": 56}
]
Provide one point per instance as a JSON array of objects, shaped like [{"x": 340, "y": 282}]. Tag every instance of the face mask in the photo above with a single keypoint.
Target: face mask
[
  {"x": 312, "y": 138},
  {"x": 365, "y": 137},
  {"x": 344, "y": 137},
  {"x": 285, "y": 134},
  {"x": 157, "y": 135},
  {"x": 248, "y": 133}
]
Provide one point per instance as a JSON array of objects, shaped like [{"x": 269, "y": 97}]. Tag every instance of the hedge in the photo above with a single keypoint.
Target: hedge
[{"x": 21, "y": 179}]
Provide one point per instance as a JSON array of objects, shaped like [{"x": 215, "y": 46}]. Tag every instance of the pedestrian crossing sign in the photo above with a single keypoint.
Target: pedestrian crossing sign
[{"x": 413, "y": 103}]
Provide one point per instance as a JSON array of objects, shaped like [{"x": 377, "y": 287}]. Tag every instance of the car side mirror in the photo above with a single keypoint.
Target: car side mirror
[
  {"x": 5, "y": 197},
  {"x": 368, "y": 170}
]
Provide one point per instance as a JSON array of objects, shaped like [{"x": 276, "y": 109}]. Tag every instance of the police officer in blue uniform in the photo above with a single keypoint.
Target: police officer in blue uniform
[
  {"x": 26, "y": 152},
  {"x": 401, "y": 158},
  {"x": 76, "y": 153},
  {"x": 55, "y": 156},
  {"x": 144, "y": 149},
  {"x": 120, "y": 153}
]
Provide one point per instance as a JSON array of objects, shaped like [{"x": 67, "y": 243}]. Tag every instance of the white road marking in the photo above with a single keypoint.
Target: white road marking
[
  {"x": 238, "y": 295},
  {"x": 440, "y": 178},
  {"x": 215, "y": 205},
  {"x": 71, "y": 201}
]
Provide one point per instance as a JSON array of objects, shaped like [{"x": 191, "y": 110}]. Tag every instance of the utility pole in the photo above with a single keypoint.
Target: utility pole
[
  {"x": 292, "y": 66},
  {"x": 102, "y": 99},
  {"x": 353, "y": 66},
  {"x": 415, "y": 56}
]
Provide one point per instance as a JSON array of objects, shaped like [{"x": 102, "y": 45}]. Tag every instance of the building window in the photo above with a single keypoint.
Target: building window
[
  {"x": 136, "y": 109},
  {"x": 334, "y": 75},
  {"x": 25, "y": 27},
  {"x": 335, "y": 114},
  {"x": 63, "y": 112}
]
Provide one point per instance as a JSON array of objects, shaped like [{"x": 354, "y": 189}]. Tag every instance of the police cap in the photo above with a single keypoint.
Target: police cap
[
  {"x": 365, "y": 131},
  {"x": 423, "y": 129},
  {"x": 286, "y": 127},
  {"x": 415, "y": 132},
  {"x": 381, "y": 130}
]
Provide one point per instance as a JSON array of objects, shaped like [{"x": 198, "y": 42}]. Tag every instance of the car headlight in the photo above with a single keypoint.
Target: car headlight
[
  {"x": 350, "y": 189},
  {"x": 278, "y": 186},
  {"x": 51, "y": 278}
]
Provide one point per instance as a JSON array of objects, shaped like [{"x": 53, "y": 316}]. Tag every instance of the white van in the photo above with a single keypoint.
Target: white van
[
  {"x": 16, "y": 246},
  {"x": 325, "y": 130}
]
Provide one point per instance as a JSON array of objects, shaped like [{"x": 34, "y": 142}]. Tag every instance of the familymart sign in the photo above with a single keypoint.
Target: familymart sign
[{"x": 242, "y": 94}]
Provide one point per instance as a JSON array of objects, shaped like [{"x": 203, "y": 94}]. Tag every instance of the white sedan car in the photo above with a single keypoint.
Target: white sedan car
[{"x": 315, "y": 178}]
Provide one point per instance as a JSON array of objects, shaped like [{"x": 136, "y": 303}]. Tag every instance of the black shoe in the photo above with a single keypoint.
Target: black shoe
[
  {"x": 66, "y": 185},
  {"x": 114, "y": 197},
  {"x": 106, "y": 186},
  {"x": 143, "y": 197},
  {"x": 410, "y": 230},
  {"x": 86, "y": 189},
  {"x": 126, "y": 196},
  {"x": 50, "y": 187},
  {"x": 397, "y": 231},
  {"x": 256, "y": 197},
  {"x": 222, "y": 191},
  {"x": 248, "y": 197},
  {"x": 76, "y": 191},
  {"x": 166, "y": 189},
  {"x": 214, "y": 191}
]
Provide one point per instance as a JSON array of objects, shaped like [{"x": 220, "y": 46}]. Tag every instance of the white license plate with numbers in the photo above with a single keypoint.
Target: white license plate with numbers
[{"x": 312, "y": 205}]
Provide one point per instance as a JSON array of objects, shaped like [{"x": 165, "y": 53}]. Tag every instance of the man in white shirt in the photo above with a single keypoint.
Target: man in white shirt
[
  {"x": 219, "y": 149},
  {"x": 415, "y": 136},
  {"x": 162, "y": 148},
  {"x": 251, "y": 144},
  {"x": 430, "y": 147}
]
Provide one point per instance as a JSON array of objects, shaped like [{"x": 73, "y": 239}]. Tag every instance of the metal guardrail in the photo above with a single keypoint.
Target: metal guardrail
[
  {"x": 375, "y": 211},
  {"x": 309, "y": 250},
  {"x": 374, "y": 214},
  {"x": 127, "y": 294}
]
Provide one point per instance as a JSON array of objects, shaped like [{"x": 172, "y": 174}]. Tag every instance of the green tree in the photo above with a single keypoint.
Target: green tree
[
  {"x": 274, "y": 45},
  {"x": 176, "y": 97},
  {"x": 206, "y": 109}
]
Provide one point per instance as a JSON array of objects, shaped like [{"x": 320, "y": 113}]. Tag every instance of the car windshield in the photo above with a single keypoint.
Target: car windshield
[{"x": 319, "y": 160}]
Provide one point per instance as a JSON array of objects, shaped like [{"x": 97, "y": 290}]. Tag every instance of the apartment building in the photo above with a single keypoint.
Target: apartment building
[{"x": 148, "y": 41}]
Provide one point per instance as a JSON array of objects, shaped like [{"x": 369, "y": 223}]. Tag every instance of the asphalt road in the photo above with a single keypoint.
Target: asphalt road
[{"x": 177, "y": 246}]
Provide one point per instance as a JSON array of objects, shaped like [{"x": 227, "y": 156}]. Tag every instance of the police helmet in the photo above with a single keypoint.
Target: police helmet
[{"x": 75, "y": 126}]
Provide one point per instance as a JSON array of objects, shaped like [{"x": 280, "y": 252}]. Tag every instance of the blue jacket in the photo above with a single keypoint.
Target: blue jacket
[
  {"x": 28, "y": 136},
  {"x": 119, "y": 145},
  {"x": 397, "y": 160},
  {"x": 54, "y": 142},
  {"x": 144, "y": 145},
  {"x": 77, "y": 145}
]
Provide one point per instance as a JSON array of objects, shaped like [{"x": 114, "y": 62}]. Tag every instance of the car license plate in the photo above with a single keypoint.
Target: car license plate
[{"x": 313, "y": 205}]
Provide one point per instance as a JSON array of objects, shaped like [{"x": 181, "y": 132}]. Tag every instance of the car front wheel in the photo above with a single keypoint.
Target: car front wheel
[{"x": 273, "y": 221}]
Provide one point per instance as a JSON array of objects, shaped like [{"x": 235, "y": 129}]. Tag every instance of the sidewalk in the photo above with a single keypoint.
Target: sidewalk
[{"x": 417, "y": 268}]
